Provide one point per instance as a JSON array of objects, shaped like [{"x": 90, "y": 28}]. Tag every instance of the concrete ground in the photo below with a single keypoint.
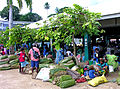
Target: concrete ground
[{"x": 12, "y": 79}]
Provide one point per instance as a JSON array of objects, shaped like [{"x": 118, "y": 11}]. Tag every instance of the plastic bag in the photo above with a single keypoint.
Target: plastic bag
[
  {"x": 98, "y": 80},
  {"x": 111, "y": 69},
  {"x": 43, "y": 74}
]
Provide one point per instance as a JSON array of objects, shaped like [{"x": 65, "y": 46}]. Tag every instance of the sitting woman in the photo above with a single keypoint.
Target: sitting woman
[
  {"x": 91, "y": 72},
  {"x": 50, "y": 55}
]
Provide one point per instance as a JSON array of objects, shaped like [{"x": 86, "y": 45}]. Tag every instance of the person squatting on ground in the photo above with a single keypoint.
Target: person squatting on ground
[
  {"x": 22, "y": 61},
  {"x": 34, "y": 61},
  {"x": 91, "y": 72}
]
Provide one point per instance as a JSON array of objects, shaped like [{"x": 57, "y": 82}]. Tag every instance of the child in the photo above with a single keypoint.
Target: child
[
  {"x": 22, "y": 61},
  {"x": 96, "y": 55},
  {"x": 91, "y": 72},
  {"x": 3, "y": 53}
]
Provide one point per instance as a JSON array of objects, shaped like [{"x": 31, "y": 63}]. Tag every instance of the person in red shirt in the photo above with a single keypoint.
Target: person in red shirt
[
  {"x": 22, "y": 61},
  {"x": 3, "y": 53}
]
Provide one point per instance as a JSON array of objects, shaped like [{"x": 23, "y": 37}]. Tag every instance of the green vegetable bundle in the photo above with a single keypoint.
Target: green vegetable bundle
[
  {"x": 5, "y": 68},
  {"x": 118, "y": 80},
  {"x": 68, "y": 65},
  {"x": 68, "y": 83},
  {"x": 4, "y": 62},
  {"x": 53, "y": 71},
  {"x": 13, "y": 57},
  {"x": 14, "y": 62},
  {"x": 65, "y": 78},
  {"x": 46, "y": 61},
  {"x": 65, "y": 60},
  {"x": 43, "y": 65},
  {"x": 4, "y": 57}
]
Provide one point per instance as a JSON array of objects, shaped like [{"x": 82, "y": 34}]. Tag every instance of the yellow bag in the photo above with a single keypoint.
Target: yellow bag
[{"x": 98, "y": 80}]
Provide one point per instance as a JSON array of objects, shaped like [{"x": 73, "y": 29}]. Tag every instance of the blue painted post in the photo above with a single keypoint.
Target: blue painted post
[
  {"x": 51, "y": 45},
  {"x": 87, "y": 47},
  {"x": 15, "y": 46}
]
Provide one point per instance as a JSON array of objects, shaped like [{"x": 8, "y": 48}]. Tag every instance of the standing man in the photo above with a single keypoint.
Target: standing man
[{"x": 34, "y": 59}]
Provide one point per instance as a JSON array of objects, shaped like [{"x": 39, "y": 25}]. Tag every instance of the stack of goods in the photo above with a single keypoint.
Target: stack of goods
[
  {"x": 4, "y": 63},
  {"x": 13, "y": 61},
  {"x": 46, "y": 61},
  {"x": 68, "y": 62},
  {"x": 46, "y": 66},
  {"x": 64, "y": 81},
  {"x": 118, "y": 79},
  {"x": 75, "y": 75},
  {"x": 56, "y": 72}
]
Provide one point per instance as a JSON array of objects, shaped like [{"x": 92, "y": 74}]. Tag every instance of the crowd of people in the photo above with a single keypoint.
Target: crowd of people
[{"x": 99, "y": 61}]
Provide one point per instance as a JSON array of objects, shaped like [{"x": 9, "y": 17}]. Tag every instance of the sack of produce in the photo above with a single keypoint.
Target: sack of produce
[
  {"x": 111, "y": 60},
  {"x": 59, "y": 73},
  {"x": 3, "y": 62},
  {"x": 15, "y": 66},
  {"x": 75, "y": 75},
  {"x": 68, "y": 83},
  {"x": 118, "y": 80},
  {"x": 68, "y": 65},
  {"x": 98, "y": 80},
  {"x": 13, "y": 57},
  {"x": 7, "y": 59},
  {"x": 5, "y": 68},
  {"x": 65, "y": 60},
  {"x": 4, "y": 57},
  {"x": 74, "y": 68},
  {"x": 43, "y": 74},
  {"x": 5, "y": 65},
  {"x": 43, "y": 66},
  {"x": 81, "y": 80},
  {"x": 53, "y": 71},
  {"x": 65, "y": 78},
  {"x": 14, "y": 62},
  {"x": 46, "y": 61}
]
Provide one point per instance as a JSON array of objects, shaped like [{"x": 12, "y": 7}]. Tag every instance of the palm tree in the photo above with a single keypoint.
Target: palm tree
[
  {"x": 47, "y": 6},
  {"x": 20, "y": 3}
]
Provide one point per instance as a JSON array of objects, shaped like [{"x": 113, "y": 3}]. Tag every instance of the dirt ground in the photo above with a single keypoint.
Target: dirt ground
[{"x": 12, "y": 79}]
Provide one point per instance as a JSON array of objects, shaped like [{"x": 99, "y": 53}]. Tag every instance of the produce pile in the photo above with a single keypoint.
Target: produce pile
[
  {"x": 64, "y": 74},
  {"x": 9, "y": 62},
  {"x": 118, "y": 79}
]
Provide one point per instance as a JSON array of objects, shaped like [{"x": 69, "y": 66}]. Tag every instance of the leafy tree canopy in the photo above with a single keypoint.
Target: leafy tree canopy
[
  {"x": 33, "y": 17},
  {"x": 17, "y": 35},
  {"x": 46, "y": 6},
  {"x": 77, "y": 21},
  {"x": 5, "y": 13}
]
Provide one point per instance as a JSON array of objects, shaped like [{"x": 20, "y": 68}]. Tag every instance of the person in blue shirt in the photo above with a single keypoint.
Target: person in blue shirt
[
  {"x": 59, "y": 55},
  {"x": 91, "y": 72}
]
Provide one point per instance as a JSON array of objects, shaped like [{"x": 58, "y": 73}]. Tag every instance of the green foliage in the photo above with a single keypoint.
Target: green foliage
[
  {"x": 51, "y": 15},
  {"x": 5, "y": 13},
  {"x": 17, "y": 35},
  {"x": 75, "y": 21},
  {"x": 33, "y": 17},
  {"x": 46, "y": 6},
  {"x": 4, "y": 36}
]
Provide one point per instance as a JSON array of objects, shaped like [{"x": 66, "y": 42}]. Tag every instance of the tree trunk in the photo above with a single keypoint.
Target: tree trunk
[
  {"x": 10, "y": 20},
  {"x": 74, "y": 47},
  {"x": 10, "y": 17}
]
